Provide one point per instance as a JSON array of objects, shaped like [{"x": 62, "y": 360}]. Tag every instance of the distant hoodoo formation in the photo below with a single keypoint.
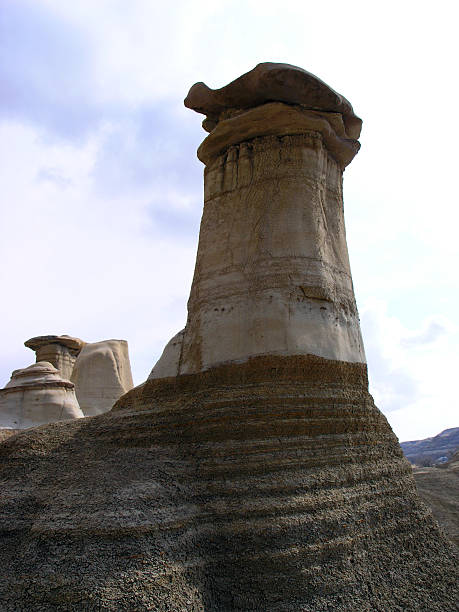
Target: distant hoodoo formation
[
  {"x": 252, "y": 471},
  {"x": 37, "y": 395},
  {"x": 71, "y": 379},
  {"x": 61, "y": 351}
]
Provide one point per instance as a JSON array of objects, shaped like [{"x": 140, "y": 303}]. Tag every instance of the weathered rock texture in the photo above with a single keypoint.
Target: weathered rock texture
[
  {"x": 270, "y": 485},
  {"x": 7, "y": 433},
  {"x": 61, "y": 351},
  {"x": 102, "y": 374},
  {"x": 270, "y": 82},
  {"x": 439, "y": 488},
  {"x": 37, "y": 395},
  {"x": 269, "y": 482}
]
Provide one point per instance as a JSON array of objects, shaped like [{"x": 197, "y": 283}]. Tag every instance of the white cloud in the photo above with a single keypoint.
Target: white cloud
[
  {"x": 412, "y": 371},
  {"x": 433, "y": 330}
]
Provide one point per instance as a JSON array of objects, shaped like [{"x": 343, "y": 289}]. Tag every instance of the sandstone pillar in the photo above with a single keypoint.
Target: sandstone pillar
[
  {"x": 102, "y": 374},
  {"x": 272, "y": 275},
  {"x": 61, "y": 351}
]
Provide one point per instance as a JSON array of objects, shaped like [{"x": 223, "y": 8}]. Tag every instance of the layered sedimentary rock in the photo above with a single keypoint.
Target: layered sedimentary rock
[
  {"x": 61, "y": 351},
  {"x": 252, "y": 472},
  {"x": 37, "y": 395},
  {"x": 271, "y": 485},
  {"x": 102, "y": 374}
]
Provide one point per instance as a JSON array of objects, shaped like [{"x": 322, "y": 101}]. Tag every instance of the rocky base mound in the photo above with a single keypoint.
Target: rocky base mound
[{"x": 271, "y": 485}]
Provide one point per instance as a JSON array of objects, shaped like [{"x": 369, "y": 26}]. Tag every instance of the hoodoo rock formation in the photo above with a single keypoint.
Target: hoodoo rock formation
[
  {"x": 252, "y": 471},
  {"x": 95, "y": 374},
  {"x": 101, "y": 370},
  {"x": 61, "y": 351},
  {"x": 272, "y": 274},
  {"x": 37, "y": 395}
]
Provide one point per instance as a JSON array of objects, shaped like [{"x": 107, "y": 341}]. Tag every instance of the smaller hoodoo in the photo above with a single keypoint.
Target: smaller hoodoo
[
  {"x": 37, "y": 395},
  {"x": 80, "y": 378}
]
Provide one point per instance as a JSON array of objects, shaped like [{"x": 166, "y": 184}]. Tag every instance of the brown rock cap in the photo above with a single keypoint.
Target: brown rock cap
[
  {"x": 73, "y": 344},
  {"x": 271, "y": 82}
]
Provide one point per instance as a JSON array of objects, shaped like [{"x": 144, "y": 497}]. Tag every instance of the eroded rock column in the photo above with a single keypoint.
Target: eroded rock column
[
  {"x": 61, "y": 351},
  {"x": 102, "y": 374},
  {"x": 272, "y": 275}
]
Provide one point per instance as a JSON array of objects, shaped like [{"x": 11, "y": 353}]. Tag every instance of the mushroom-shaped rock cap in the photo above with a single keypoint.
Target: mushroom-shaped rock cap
[
  {"x": 73, "y": 344},
  {"x": 37, "y": 373},
  {"x": 271, "y": 82}
]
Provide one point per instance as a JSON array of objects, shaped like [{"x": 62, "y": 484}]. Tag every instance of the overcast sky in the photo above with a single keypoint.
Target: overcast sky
[{"x": 101, "y": 190}]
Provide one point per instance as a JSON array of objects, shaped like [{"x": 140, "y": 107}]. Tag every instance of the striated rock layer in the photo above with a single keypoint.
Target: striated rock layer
[
  {"x": 252, "y": 471},
  {"x": 270, "y": 485}
]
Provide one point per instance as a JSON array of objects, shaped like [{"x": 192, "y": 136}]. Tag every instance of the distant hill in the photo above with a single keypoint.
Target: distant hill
[{"x": 431, "y": 451}]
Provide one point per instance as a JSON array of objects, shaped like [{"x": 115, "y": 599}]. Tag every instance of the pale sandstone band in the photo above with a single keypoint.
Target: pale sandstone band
[{"x": 102, "y": 374}]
